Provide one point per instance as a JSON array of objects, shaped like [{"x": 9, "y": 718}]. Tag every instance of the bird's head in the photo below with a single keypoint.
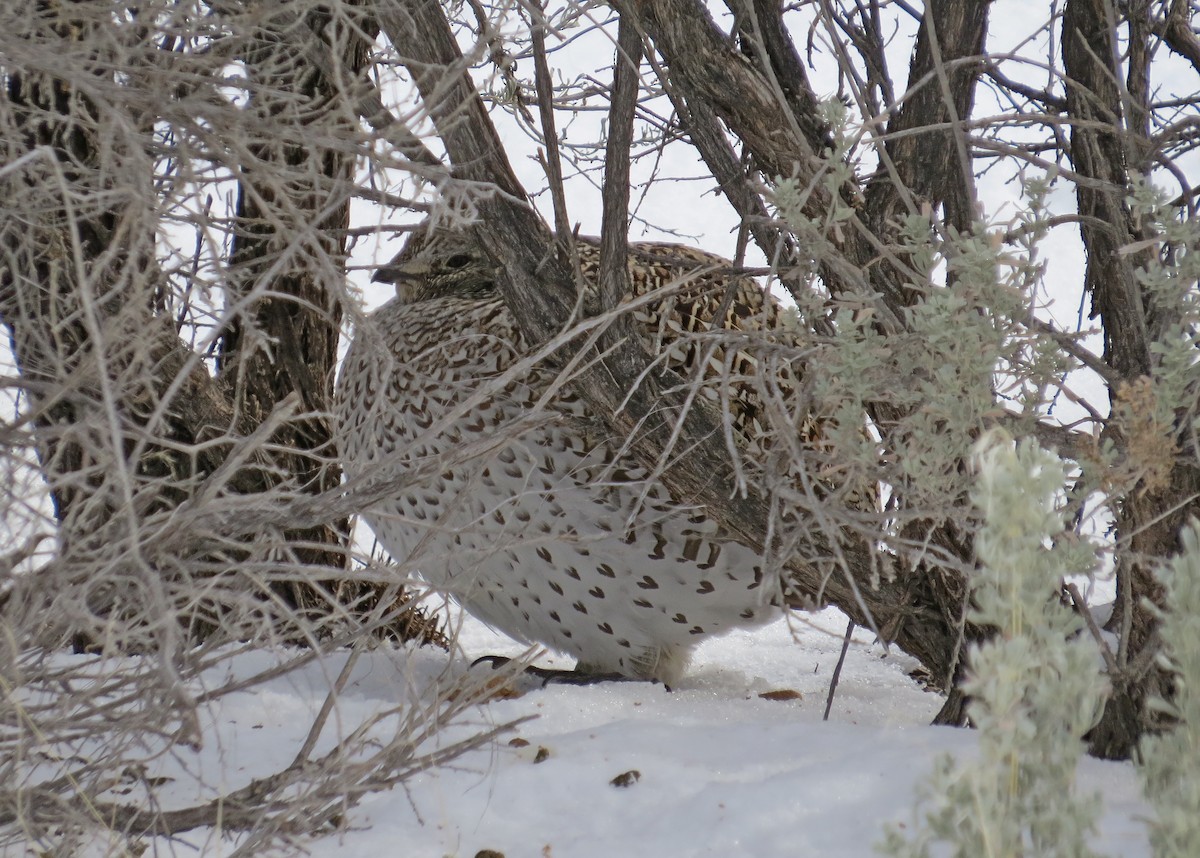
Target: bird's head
[{"x": 440, "y": 264}]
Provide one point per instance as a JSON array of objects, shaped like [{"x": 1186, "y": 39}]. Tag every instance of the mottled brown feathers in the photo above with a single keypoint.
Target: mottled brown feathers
[{"x": 508, "y": 497}]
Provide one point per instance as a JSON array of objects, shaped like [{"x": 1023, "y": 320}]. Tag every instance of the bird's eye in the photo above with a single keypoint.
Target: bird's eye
[{"x": 458, "y": 260}]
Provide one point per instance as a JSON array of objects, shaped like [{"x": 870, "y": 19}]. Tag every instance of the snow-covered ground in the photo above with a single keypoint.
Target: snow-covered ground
[{"x": 721, "y": 770}]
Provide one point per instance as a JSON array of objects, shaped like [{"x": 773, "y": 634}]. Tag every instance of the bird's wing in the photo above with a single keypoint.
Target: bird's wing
[{"x": 721, "y": 358}]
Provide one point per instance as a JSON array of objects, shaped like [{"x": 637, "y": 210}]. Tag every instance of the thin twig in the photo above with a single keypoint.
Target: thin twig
[
  {"x": 1081, "y": 608},
  {"x": 552, "y": 161},
  {"x": 614, "y": 238},
  {"x": 837, "y": 670},
  {"x": 318, "y": 724}
]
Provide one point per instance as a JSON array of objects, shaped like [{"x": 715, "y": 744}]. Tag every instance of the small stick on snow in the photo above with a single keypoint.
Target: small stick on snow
[{"x": 837, "y": 670}]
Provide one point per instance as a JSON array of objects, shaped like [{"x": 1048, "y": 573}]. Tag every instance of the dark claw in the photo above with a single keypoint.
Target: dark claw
[{"x": 496, "y": 661}]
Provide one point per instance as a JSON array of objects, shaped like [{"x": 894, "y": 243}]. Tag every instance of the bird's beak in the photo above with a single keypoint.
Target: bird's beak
[
  {"x": 401, "y": 272},
  {"x": 407, "y": 276}
]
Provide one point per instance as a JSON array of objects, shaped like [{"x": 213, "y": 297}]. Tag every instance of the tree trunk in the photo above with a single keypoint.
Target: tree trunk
[
  {"x": 1107, "y": 145},
  {"x": 288, "y": 257}
]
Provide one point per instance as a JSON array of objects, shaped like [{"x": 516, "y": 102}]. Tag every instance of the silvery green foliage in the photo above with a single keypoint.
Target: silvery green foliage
[
  {"x": 1169, "y": 281},
  {"x": 1035, "y": 688},
  {"x": 1145, "y": 409},
  {"x": 966, "y": 341},
  {"x": 1170, "y": 761}
]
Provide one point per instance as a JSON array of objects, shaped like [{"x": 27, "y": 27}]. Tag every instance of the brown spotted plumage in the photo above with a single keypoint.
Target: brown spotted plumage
[{"x": 508, "y": 497}]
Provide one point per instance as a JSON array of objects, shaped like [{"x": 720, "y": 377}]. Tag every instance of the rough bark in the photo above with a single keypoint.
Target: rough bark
[
  {"x": 294, "y": 191},
  {"x": 1106, "y": 146},
  {"x": 934, "y": 166},
  {"x": 706, "y": 67}
]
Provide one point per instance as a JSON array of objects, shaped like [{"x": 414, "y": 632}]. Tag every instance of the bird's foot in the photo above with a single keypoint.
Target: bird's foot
[{"x": 558, "y": 677}]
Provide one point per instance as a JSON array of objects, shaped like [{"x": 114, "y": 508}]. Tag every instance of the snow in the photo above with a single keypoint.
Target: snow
[{"x": 721, "y": 770}]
